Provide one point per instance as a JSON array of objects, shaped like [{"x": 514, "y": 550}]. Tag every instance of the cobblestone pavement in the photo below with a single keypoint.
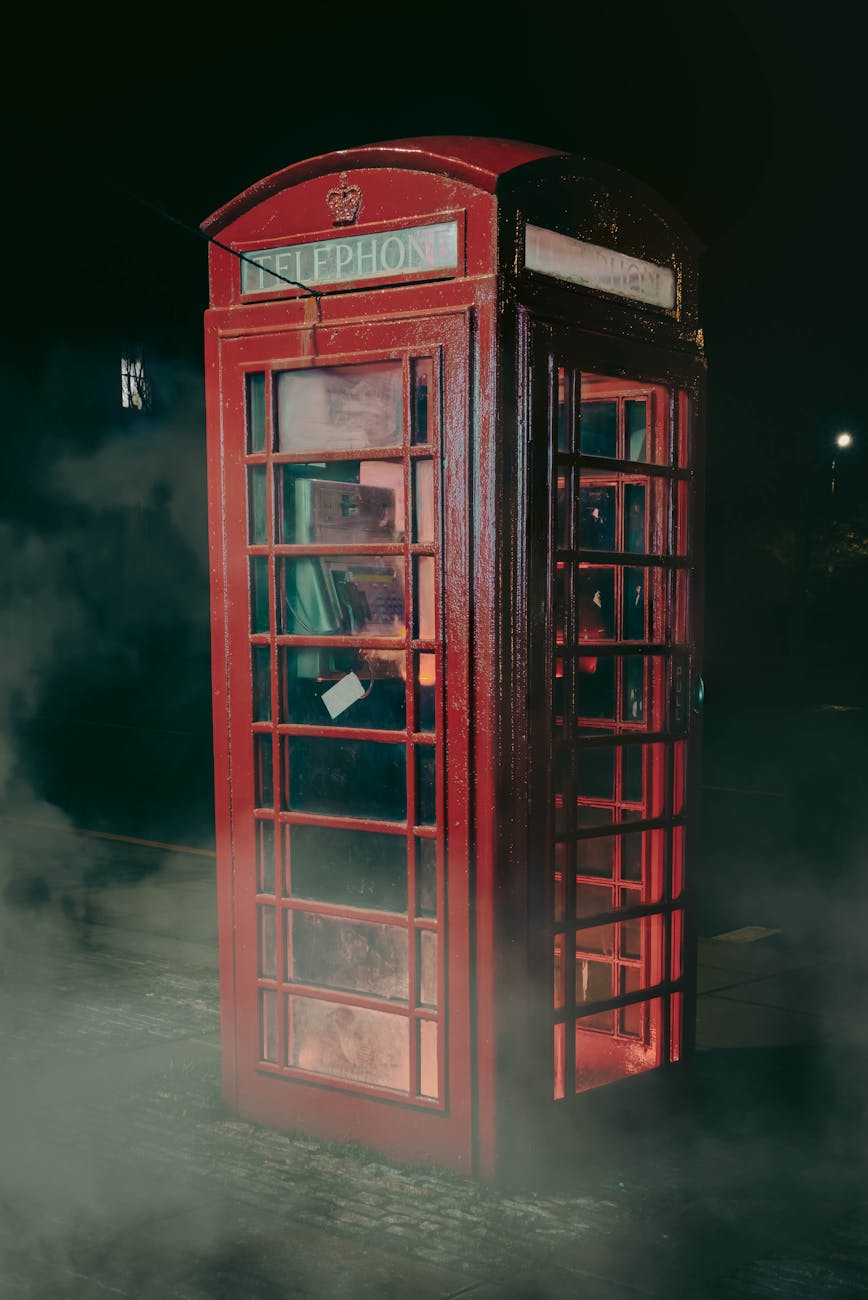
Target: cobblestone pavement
[{"x": 124, "y": 1175}]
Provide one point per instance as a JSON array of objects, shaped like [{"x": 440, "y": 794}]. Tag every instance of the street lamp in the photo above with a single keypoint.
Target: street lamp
[{"x": 842, "y": 442}]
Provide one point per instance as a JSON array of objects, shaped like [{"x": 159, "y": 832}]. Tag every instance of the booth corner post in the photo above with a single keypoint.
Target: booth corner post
[{"x": 455, "y": 392}]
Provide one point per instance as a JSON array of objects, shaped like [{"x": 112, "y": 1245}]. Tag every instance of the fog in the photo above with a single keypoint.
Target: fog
[{"x": 123, "y": 1171}]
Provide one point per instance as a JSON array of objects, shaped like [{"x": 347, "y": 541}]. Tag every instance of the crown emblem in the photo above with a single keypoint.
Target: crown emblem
[{"x": 344, "y": 202}]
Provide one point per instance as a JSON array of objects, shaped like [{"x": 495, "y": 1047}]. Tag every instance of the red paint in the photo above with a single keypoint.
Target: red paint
[{"x": 429, "y": 1030}]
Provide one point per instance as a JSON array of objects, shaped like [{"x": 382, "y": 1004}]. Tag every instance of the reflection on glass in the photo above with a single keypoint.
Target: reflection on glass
[
  {"x": 634, "y": 510},
  {"x": 423, "y": 501},
  {"x": 428, "y": 1058},
  {"x": 633, "y": 703},
  {"x": 348, "y": 778},
  {"x": 560, "y": 882},
  {"x": 426, "y": 961},
  {"x": 631, "y": 932},
  {"x": 257, "y": 504},
  {"x": 426, "y": 690},
  {"x": 421, "y": 391},
  {"x": 595, "y": 688},
  {"x": 332, "y": 408},
  {"x": 560, "y": 603},
  {"x": 599, "y": 429},
  {"x": 306, "y": 674},
  {"x": 560, "y": 981},
  {"x": 596, "y": 603},
  {"x": 424, "y": 628},
  {"x": 631, "y": 856},
  {"x": 354, "y": 868},
  {"x": 426, "y": 785},
  {"x": 263, "y": 770},
  {"x": 350, "y": 1043},
  {"x": 342, "y": 595},
  {"x": 255, "y": 413},
  {"x": 261, "y": 683},
  {"x": 259, "y": 610},
  {"x": 341, "y": 503},
  {"x": 355, "y": 956},
  {"x": 636, "y": 429},
  {"x": 597, "y": 516},
  {"x": 634, "y": 605},
  {"x": 265, "y": 856},
  {"x": 592, "y": 900},
  {"x": 631, "y": 1016},
  {"x": 426, "y": 877}
]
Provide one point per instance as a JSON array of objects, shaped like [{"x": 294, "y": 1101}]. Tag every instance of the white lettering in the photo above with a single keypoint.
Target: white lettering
[
  {"x": 320, "y": 254},
  {"x": 423, "y": 255},
  {"x": 344, "y": 255},
  {"x": 283, "y": 264},
  {"x": 393, "y": 265},
  {"x": 371, "y": 256}
]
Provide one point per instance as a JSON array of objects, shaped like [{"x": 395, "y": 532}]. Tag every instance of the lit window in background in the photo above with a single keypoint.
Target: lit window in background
[{"x": 135, "y": 389}]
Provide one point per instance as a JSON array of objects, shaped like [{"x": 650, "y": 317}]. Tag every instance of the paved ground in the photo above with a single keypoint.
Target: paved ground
[{"x": 122, "y": 1174}]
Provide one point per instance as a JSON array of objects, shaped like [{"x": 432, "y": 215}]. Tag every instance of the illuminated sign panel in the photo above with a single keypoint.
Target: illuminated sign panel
[
  {"x": 383, "y": 255},
  {"x": 598, "y": 267}
]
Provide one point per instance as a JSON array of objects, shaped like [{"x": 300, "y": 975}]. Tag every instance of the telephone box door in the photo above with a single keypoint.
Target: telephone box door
[
  {"x": 345, "y": 957},
  {"x": 612, "y": 466}
]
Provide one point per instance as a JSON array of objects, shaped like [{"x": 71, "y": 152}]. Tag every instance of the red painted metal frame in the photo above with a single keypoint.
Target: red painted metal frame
[{"x": 499, "y": 979}]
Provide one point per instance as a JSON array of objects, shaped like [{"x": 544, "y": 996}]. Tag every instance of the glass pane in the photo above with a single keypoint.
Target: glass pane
[
  {"x": 354, "y": 868},
  {"x": 263, "y": 770},
  {"x": 631, "y": 1017},
  {"x": 599, "y": 429},
  {"x": 560, "y": 992},
  {"x": 268, "y": 1025},
  {"x": 635, "y": 537},
  {"x": 426, "y": 960},
  {"x": 426, "y": 690},
  {"x": 633, "y": 759},
  {"x": 595, "y": 688},
  {"x": 257, "y": 504},
  {"x": 421, "y": 395},
  {"x": 428, "y": 1058},
  {"x": 261, "y": 683},
  {"x": 564, "y": 421},
  {"x": 267, "y": 943},
  {"x": 561, "y": 602},
  {"x": 597, "y": 516},
  {"x": 424, "y": 627},
  {"x": 356, "y": 956},
  {"x": 426, "y": 785},
  {"x": 593, "y": 900},
  {"x": 259, "y": 604},
  {"x": 631, "y": 932},
  {"x": 423, "y": 501},
  {"x": 635, "y": 425},
  {"x": 631, "y": 856},
  {"x": 347, "y": 778},
  {"x": 596, "y": 603},
  {"x": 633, "y": 703},
  {"x": 596, "y": 774},
  {"x": 560, "y": 882},
  {"x": 350, "y": 1043},
  {"x": 634, "y": 623},
  {"x": 559, "y": 1061},
  {"x": 563, "y": 495},
  {"x": 265, "y": 856},
  {"x": 593, "y": 978},
  {"x": 595, "y": 857},
  {"x": 256, "y": 413},
  {"x": 331, "y": 408},
  {"x": 345, "y": 502},
  {"x": 342, "y": 595},
  {"x": 426, "y": 877},
  {"x": 307, "y": 674}
]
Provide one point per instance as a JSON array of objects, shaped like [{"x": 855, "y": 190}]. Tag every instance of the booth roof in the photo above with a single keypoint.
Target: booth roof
[{"x": 475, "y": 159}]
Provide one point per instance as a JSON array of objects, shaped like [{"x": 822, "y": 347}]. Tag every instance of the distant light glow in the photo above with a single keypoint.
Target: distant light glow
[{"x": 844, "y": 440}]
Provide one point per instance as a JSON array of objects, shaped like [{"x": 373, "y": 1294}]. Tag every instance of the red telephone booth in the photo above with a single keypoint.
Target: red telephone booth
[{"x": 454, "y": 389}]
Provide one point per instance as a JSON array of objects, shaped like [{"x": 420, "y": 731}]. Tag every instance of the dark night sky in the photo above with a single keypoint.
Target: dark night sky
[{"x": 747, "y": 118}]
